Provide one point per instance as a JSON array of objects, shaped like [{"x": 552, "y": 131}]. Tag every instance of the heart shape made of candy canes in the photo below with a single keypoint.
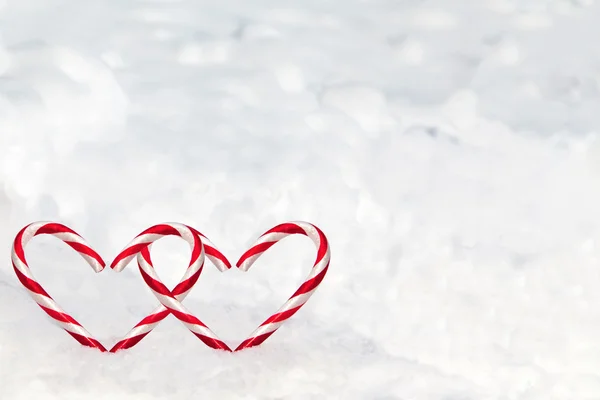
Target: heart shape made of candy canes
[
  {"x": 200, "y": 244},
  {"x": 170, "y": 301},
  {"x": 197, "y": 241}
]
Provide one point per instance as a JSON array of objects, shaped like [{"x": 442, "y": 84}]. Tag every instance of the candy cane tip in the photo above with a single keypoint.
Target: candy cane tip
[
  {"x": 243, "y": 266},
  {"x": 98, "y": 267},
  {"x": 117, "y": 266},
  {"x": 223, "y": 268}
]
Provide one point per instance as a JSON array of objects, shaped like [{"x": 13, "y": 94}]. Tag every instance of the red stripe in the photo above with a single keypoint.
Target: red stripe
[
  {"x": 196, "y": 231},
  {"x": 186, "y": 285},
  {"x": 254, "y": 341},
  {"x": 61, "y": 317},
  {"x": 155, "y": 285},
  {"x": 128, "y": 252},
  {"x": 88, "y": 251},
  {"x": 145, "y": 253},
  {"x": 213, "y": 343},
  {"x": 128, "y": 343},
  {"x": 196, "y": 250},
  {"x": 30, "y": 283},
  {"x": 184, "y": 317},
  {"x": 211, "y": 251},
  {"x": 288, "y": 228},
  {"x": 86, "y": 341},
  {"x": 18, "y": 246},
  {"x": 311, "y": 283},
  {"x": 281, "y": 316},
  {"x": 323, "y": 246},
  {"x": 153, "y": 318},
  {"x": 160, "y": 229},
  {"x": 259, "y": 248},
  {"x": 52, "y": 228}
]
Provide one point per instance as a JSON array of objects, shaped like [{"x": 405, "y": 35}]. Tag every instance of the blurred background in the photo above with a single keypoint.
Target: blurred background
[{"x": 448, "y": 149}]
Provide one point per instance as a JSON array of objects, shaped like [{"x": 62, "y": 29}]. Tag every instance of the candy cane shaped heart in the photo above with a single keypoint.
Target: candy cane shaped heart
[
  {"x": 146, "y": 325},
  {"x": 139, "y": 246},
  {"x": 35, "y": 290},
  {"x": 301, "y": 296}
]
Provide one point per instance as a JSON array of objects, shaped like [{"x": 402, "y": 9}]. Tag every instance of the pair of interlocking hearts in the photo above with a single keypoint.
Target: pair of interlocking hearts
[{"x": 170, "y": 300}]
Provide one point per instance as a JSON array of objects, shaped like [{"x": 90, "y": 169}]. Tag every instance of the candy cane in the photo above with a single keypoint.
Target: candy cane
[
  {"x": 35, "y": 290},
  {"x": 140, "y": 246},
  {"x": 301, "y": 296}
]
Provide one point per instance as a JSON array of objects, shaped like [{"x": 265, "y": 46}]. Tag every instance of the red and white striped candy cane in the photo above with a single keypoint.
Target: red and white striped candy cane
[
  {"x": 301, "y": 296},
  {"x": 140, "y": 246},
  {"x": 35, "y": 290}
]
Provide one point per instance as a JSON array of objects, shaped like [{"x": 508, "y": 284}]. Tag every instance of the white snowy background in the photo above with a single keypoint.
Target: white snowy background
[{"x": 448, "y": 149}]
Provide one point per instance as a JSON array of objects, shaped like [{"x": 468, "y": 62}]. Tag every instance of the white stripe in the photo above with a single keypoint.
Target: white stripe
[
  {"x": 181, "y": 296},
  {"x": 271, "y": 237},
  {"x": 189, "y": 236},
  {"x": 296, "y": 301},
  {"x": 261, "y": 330},
  {"x": 191, "y": 270},
  {"x": 170, "y": 303},
  {"x": 146, "y": 267},
  {"x": 145, "y": 238},
  {"x": 307, "y": 227},
  {"x": 139, "y": 330},
  {"x": 23, "y": 268},
  {"x": 30, "y": 232},
  {"x": 318, "y": 268},
  {"x": 120, "y": 266},
  {"x": 73, "y": 328},
  {"x": 45, "y": 301},
  {"x": 247, "y": 263},
  {"x": 217, "y": 262},
  {"x": 202, "y": 330},
  {"x": 69, "y": 237},
  {"x": 96, "y": 266},
  {"x": 220, "y": 264},
  {"x": 185, "y": 233}
]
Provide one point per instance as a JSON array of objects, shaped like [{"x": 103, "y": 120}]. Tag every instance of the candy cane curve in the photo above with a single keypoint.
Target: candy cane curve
[
  {"x": 139, "y": 246},
  {"x": 301, "y": 296},
  {"x": 35, "y": 290}
]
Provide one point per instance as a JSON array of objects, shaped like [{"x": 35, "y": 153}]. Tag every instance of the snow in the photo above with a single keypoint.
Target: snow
[{"x": 449, "y": 151}]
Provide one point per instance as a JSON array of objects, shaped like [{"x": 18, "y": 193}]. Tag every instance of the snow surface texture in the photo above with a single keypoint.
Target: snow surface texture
[{"x": 449, "y": 150}]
